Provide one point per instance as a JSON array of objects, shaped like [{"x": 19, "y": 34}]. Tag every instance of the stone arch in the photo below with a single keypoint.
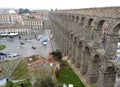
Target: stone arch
[
  {"x": 69, "y": 16},
  {"x": 66, "y": 31},
  {"x": 102, "y": 31},
  {"x": 96, "y": 67},
  {"x": 111, "y": 69},
  {"x": 77, "y": 18},
  {"x": 97, "y": 60},
  {"x": 107, "y": 76},
  {"x": 93, "y": 69},
  {"x": 87, "y": 49},
  {"x": 74, "y": 47},
  {"x": 82, "y": 20},
  {"x": 70, "y": 43},
  {"x": 99, "y": 27},
  {"x": 71, "y": 34},
  {"x": 90, "y": 22},
  {"x": 90, "y": 28},
  {"x": 111, "y": 74},
  {"x": 80, "y": 49},
  {"x": 65, "y": 15},
  {"x": 73, "y": 17},
  {"x": 85, "y": 60},
  {"x": 80, "y": 45},
  {"x": 103, "y": 27}
]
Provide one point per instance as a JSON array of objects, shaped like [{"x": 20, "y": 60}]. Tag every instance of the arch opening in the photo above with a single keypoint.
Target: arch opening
[
  {"x": 80, "y": 49},
  {"x": 82, "y": 20},
  {"x": 77, "y": 18},
  {"x": 85, "y": 60},
  {"x": 90, "y": 22},
  {"x": 73, "y": 17},
  {"x": 96, "y": 67}
]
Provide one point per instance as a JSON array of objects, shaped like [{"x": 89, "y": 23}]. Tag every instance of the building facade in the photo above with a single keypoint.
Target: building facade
[
  {"x": 9, "y": 19},
  {"x": 33, "y": 23},
  {"x": 14, "y": 29}
]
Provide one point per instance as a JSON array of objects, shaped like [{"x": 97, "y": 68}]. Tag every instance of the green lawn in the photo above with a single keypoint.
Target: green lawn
[
  {"x": 67, "y": 76},
  {"x": 2, "y": 47},
  {"x": 7, "y": 67},
  {"x": 20, "y": 71},
  {"x": 18, "y": 84}
]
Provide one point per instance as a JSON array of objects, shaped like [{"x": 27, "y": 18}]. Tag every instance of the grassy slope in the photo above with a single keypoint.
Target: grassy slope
[
  {"x": 20, "y": 72},
  {"x": 7, "y": 67},
  {"x": 68, "y": 76}
]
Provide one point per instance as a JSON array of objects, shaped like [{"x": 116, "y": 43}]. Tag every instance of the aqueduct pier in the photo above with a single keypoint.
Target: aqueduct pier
[{"x": 89, "y": 38}]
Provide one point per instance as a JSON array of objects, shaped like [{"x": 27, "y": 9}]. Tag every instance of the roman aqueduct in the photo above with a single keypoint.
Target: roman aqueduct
[{"x": 89, "y": 38}]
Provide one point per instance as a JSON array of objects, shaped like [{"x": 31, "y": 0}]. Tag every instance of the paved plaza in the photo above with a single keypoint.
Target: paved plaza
[{"x": 14, "y": 46}]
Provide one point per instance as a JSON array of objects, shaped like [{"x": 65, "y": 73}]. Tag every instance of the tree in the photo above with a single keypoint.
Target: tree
[
  {"x": 26, "y": 11},
  {"x": 21, "y": 11},
  {"x": 57, "y": 54},
  {"x": 44, "y": 82},
  {"x": 50, "y": 82}
]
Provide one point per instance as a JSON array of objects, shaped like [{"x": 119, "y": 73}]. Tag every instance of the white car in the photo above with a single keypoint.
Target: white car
[
  {"x": 28, "y": 40},
  {"x": 44, "y": 43},
  {"x": 12, "y": 55}
]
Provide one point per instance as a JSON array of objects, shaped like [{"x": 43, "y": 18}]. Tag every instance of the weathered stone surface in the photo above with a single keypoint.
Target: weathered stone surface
[{"x": 97, "y": 29}]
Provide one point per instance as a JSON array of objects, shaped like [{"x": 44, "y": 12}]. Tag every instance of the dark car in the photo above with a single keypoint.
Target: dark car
[
  {"x": 22, "y": 43},
  {"x": 3, "y": 54},
  {"x": 33, "y": 47}
]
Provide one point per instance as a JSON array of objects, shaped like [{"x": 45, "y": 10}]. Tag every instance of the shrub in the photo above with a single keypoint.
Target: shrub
[
  {"x": 57, "y": 54},
  {"x": 44, "y": 82},
  {"x": 27, "y": 84},
  {"x": 9, "y": 84}
]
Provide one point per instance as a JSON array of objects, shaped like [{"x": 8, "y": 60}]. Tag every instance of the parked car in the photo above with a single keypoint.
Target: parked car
[
  {"x": 28, "y": 40},
  {"x": 2, "y": 56},
  {"x": 44, "y": 43},
  {"x": 12, "y": 55},
  {"x": 33, "y": 47},
  {"x": 22, "y": 43}
]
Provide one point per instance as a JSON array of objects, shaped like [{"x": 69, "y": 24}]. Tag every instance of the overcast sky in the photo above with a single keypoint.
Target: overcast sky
[{"x": 57, "y": 4}]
